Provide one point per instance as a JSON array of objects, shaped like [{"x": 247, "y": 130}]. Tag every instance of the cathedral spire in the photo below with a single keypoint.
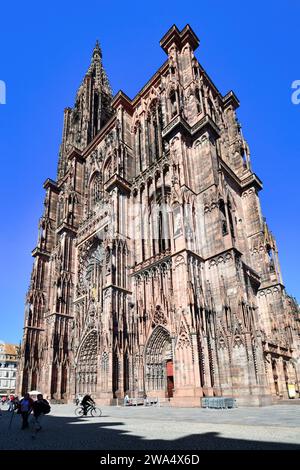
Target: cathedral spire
[
  {"x": 97, "y": 71},
  {"x": 91, "y": 111},
  {"x": 97, "y": 52}
]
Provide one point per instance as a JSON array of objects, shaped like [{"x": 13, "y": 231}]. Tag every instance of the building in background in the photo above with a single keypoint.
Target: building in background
[
  {"x": 155, "y": 272},
  {"x": 9, "y": 354}
]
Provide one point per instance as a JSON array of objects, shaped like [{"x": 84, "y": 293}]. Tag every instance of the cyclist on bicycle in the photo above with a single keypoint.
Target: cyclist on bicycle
[{"x": 86, "y": 403}]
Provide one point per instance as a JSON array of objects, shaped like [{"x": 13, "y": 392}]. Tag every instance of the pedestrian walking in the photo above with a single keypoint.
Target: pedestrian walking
[
  {"x": 146, "y": 401},
  {"x": 25, "y": 408},
  {"x": 16, "y": 402},
  {"x": 11, "y": 403},
  {"x": 78, "y": 400},
  {"x": 4, "y": 399},
  {"x": 40, "y": 408}
]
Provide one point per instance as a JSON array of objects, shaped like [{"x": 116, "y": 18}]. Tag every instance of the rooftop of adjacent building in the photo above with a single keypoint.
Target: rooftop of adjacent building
[{"x": 9, "y": 349}]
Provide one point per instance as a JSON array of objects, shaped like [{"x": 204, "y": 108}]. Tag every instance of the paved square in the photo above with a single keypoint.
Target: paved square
[{"x": 154, "y": 428}]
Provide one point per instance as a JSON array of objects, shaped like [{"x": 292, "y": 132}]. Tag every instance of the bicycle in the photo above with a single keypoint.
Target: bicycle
[{"x": 92, "y": 410}]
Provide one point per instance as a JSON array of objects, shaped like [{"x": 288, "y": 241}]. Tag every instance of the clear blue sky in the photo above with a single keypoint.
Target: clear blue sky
[{"x": 45, "y": 51}]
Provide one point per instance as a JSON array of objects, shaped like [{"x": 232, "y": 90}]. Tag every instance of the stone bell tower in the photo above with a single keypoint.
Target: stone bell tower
[{"x": 91, "y": 110}]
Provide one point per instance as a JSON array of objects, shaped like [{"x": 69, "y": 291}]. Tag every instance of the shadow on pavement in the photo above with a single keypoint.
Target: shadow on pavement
[{"x": 72, "y": 433}]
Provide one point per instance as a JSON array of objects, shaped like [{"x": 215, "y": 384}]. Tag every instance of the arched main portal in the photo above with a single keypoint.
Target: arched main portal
[
  {"x": 159, "y": 363},
  {"x": 86, "y": 368}
]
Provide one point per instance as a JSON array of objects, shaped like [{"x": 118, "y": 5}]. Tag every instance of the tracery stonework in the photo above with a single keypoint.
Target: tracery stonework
[{"x": 155, "y": 271}]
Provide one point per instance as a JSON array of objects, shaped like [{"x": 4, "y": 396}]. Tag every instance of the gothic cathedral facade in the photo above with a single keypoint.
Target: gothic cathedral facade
[{"x": 155, "y": 272}]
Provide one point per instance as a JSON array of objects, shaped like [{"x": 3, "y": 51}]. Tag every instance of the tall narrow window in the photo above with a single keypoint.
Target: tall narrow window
[
  {"x": 244, "y": 158},
  {"x": 227, "y": 316},
  {"x": 173, "y": 102},
  {"x": 270, "y": 258},
  {"x": 177, "y": 220},
  {"x": 143, "y": 216},
  {"x": 163, "y": 229},
  {"x": 156, "y": 137},
  {"x": 148, "y": 139},
  {"x": 211, "y": 109},
  {"x": 230, "y": 220},
  {"x": 96, "y": 110},
  {"x": 198, "y": 100},
  {"x": 108, "y": 170},
  {"x": 161, "y": 240},
  {"x": 154, "y": 131},
  {"x": 60, "y": 210},
  {"x": 95, "y": 190},
  {"x": 223, "y": 217},
  {"x": 139, "y": 147}
]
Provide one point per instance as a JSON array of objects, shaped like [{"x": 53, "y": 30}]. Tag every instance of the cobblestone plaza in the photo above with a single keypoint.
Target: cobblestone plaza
[{"x": 160, "y": 428}]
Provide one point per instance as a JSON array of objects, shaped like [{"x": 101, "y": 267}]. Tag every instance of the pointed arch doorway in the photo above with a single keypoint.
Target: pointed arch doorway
[
  {"x": 86, "y": 368},
  {"x": 159, "y": 378}
]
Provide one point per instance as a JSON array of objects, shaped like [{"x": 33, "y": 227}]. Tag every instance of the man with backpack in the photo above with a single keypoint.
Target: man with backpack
[{"x": 40, "y": 408}]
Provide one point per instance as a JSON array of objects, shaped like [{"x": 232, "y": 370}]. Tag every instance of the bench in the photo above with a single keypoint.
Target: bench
[
  {"x": 151, "y": 401},
  {"x": 141, "y": 401},
  {"x": 134, "y": 402},
  {"x": 218, "y": 402}
]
